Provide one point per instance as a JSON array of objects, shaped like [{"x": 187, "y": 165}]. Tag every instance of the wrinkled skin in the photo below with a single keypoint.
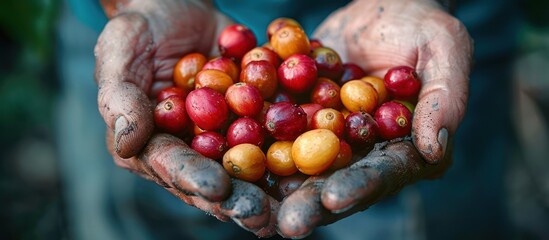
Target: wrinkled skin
[
  {"x": 143, "y": 40},
  {"x": 413, "y": 33},
  {"x": 135, "y": 55},
  {"x": 395, "y": 32}
]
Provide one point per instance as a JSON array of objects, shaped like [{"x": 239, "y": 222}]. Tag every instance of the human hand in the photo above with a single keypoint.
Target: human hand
[
  {"x": 379, "y": 35},
  {"x": 199, "y": 182},
  {"x": 135, "y": 55}
]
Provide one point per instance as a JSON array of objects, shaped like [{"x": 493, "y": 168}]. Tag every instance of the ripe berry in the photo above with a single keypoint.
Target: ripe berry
[
  {"x": 210, "y": 144},
  {"x": 170, "y": 115},
  {"x": 379, "y": 86},
  {"x": 262, "y": 75},
  {"x": 357, "y": 95},
  {"x": 298, "y": 73},
  {"x": 260, "y": 53},
  {"x": 329, "y": 118},
  {"x": 170, "y": 91},
  {"x": 351, "y": 71},
  {"x": 245, "y": 130},
  {"x": 285, "y": 121},
  {"x": 315, "y": 150},
  {"x": 394, "y": 120},
  {"x": 244, "y": 99},
  {"x": 327, "y": 62},
  {"x": 361, "y": 130},
  {"x": 279, "y": 158},
  {"x": 214, "y": 79},
  {"x": 326, "y": 93},
  {"x": 225, "y": 65},
  {"x": 310, "y": 109},
  {"x": 402, "y": 83},
  {"x": 207, "y": 108},
  {"x": 279, "y": 23},
  {"x": 186, "y": 69},
  {"x": 290, "y": 40},
  {"x": 245, "y": 161},
  {"x": 235, "y": 41}
]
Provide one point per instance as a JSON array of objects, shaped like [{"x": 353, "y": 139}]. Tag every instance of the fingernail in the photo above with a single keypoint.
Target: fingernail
[
  {"x": 443, "y": 140},
  {"x": 120, "y": 124},
  {"x": 303, "y": 235},
  {"x": 342, "y": 210}
]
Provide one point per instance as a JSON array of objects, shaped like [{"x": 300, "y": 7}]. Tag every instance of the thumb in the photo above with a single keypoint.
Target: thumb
[
  {"x": 444, "y": 67},
  {"x": 123, "y": 74}
]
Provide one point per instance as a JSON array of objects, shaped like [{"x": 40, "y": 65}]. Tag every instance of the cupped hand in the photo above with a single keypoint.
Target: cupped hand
[
  {"x": 201, "y": 183},
  {"x": 137, "y": 51},
  {"x": 135, "y": 55},
  {"x": 379, "y": 35}
]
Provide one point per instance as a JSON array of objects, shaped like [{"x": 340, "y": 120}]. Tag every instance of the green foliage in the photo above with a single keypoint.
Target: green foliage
[
  {"x": 30, "y": 22},
  {"x": 25, "y": 104},
  {"x": 26, "y": 91},
  {"x": 537, "y": 13}
]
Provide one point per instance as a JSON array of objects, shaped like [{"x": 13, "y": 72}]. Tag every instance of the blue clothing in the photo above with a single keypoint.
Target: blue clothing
[
  {"x": 258, "y": 14},
  {"x": 468, "y": 202},
  {"x": 89, "y": 13}
]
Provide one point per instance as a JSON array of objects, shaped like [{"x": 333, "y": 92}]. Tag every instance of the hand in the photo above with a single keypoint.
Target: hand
[
  {"x": 135, "y": 54},
  {"x": 199, "y": 182},
  {"x": 379, "y": 35}
]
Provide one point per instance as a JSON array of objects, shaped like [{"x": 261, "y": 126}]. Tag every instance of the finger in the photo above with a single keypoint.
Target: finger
[
  {"x": 248, "y": 206},
  {"x": 210, "y": 208},
  {"x": 320, "y": 200},
  {"x": 289, "y": 184},
  {"x": 180, "y": 167},
  {"x": 365, "y": 185},
  {"x": 164, "y": 157},
  {"x": 124, "y": 74},
  {"x": 132, "y": 164},
  {"x": 444, "y": 67},
  {"x": 375, "y": 43},
  {"x": 270, "y": 229},
  {"x": 436, "y": 44},
  {"x": 302, "y": 211},
  {"x": 384, "y": 171}
]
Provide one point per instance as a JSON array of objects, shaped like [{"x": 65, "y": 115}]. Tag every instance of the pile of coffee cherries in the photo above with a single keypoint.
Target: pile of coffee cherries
[{"x": 288, "y": 106}]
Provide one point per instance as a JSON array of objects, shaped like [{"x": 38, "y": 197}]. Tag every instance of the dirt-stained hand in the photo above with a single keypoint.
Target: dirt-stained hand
[
  {"x": 135, "y": 54},
  {"x": 379, "y": 35}
]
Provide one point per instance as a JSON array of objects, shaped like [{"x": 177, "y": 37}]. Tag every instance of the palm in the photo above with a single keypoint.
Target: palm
[
  {"x": 379, "y": 35},
  {"x": 135, "y": 51},
  {"x": 166, "y": 33},
  {"x": 377, "y": 41},
  {"x": 412, "y": 33},
  {"x": 139, "y": 49}
]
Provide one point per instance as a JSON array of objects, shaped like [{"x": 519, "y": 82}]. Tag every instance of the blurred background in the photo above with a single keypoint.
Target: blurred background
[{"x": 32, "y": 98}]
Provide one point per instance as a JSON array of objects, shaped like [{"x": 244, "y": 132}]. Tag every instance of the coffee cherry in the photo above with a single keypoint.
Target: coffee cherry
[
  {"x": 171, "y": 116},
  {"x": 394, "y": 120},
  {"x": 402, "y": 83},
  {"x": 235, "y": 41}
]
